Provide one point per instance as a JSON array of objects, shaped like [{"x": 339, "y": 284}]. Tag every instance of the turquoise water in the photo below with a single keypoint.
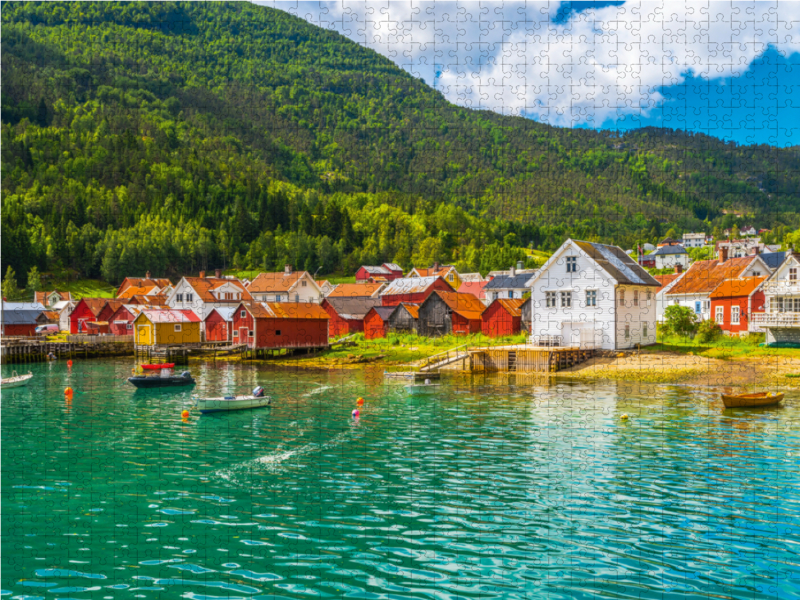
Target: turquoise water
[{"x": 485, "y": 491}]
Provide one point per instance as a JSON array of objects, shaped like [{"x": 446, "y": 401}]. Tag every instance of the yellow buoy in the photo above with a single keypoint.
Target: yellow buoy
[
  {"x": 185, "y": 414},
  {"x": 624, "y": 417}
]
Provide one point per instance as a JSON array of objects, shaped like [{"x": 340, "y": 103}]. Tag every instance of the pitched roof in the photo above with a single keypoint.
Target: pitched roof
[
  {"x": 665, "y": 280},
  {"x": 154, "y": 299},
  {"x": 773, "y": 259},
  {"x": 513, "y": 306},
  {"x": 669, "y": 241},
  {"x": 384, "y": 312},
  {"x": 226, "y": 312},
  {"x": 138, "y": 290},
  {"x": 114, "y": 304},
  {"x": 731, "y": 288},
  {"x": 669, "y": 250},
  {"x": 204, "y": 286},
  {"x": 473, "y": 287},
  {"x": 503, "y": 282},
  {"x": 20, "y": 316},
  {"x": 705, "y": 275},
  {"x": 373, "y": 270},
  {"x": 413, "y": 309},
  {"x": 409, "y": 285},
  {"x": 614, "y": 261},
  {"x": 50, "y": 315},
  {"x": 352, "y": 308},
  {"x": 9, "y": 306},
  {"x": 466, "y": 305},
  {"x": 41, "y": 297},
  {"x": 295, "y": 310},
  {"x": 170, "y": 315},
  {"x": 431, "y": 272},
  {"x": 142, "y": 282},
  {"x": 95, "y": 305},
  {"x": 274, "y": 282},
  {"x": 393, "y": 267},
  {"x": 355, "y": 289},
  {"x": 470, "y": 277}
]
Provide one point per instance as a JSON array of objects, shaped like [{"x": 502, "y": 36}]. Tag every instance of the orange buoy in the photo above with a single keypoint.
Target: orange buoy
[
  {"x": 360, "y": 401},
  {"x": 69, "y": 363},
  {"x": 68, "y": 391},
  {"x": 185, "y": 414}
]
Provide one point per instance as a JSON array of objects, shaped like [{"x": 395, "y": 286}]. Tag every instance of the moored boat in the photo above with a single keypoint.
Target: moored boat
[
  {"x": 751, "y": 400},
  {"x": 16, "y": 380},
  {"x": 155, "y": 381},
  {"x": 255, "y": 400}
]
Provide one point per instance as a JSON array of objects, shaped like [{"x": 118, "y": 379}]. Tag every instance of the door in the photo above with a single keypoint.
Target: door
[
  {"x": 575, "y": 336},
  {"x": 143, "y": 335},
  {"x": 243, "y": 339}
]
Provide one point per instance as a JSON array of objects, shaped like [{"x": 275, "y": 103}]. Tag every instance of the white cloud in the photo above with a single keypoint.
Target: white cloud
[{"x": 597, "y": 65}]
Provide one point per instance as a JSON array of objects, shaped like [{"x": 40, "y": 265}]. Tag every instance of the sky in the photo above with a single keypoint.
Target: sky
[{"x": 728, "y": 69}]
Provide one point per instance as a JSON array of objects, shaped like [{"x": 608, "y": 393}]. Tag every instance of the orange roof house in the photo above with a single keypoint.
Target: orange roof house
[
  {"x": 353, "y": 290},
  {"x": 450, "y": 312},
  {"x": 48, "y": 299},
  {"x": 142, "y": 282},
  {"x": 286, "y": 286},
  {"x": 202, "y": 294}
]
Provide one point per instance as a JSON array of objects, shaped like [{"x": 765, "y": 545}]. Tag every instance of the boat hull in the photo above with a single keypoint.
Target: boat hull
[
  {"x": 15, "y": 382},
  {"x": 157, "y": 382},
  {"x": 750, "y": 400},
  {"x": 212, "y": 405}
]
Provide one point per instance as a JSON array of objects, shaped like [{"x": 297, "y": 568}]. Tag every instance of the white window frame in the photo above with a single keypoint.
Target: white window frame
[
  {"x": 591, "y": 297},
  {"x": 250, "y": 333},
  {"x": 719, "y": 315},
  {"x": 792, "y": 274},
  {"x": 706, "y": 306},
  {"x": 236, "y": 333},
  {"x": 190, "y": 297},
  {"x": 566, "y": 299},
  {"x": 242, "y": 314},
  {"x": 177, "y": 327},
  {"x": 736, "y": 312},
  {"x": 572, "y": 264},
  {"x": 622, "y": 297},
  {"x": 550, "y": 299},
  {"x": 627, "y": 331},
  {"x": 644, "y": 330},
  {"x": 178, "y": 297}
]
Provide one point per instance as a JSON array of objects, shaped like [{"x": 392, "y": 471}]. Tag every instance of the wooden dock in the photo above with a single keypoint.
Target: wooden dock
[
  {"x": 526, "y": 359},
  {"x": 27, "y": 350}
]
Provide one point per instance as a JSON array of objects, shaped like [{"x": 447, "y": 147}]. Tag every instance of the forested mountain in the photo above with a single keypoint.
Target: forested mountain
[{"x": 179, "y": 136}]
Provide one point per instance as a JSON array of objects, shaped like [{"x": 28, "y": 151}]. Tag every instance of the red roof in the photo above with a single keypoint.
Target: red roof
[
  {"x": 473, "y": 287},
  {"x": 204, "y": 286},
  {"x": 665, "y": 280},
  {"x": 170, "y": 316}
]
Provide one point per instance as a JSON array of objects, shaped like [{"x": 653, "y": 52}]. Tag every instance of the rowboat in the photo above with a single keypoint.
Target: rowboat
[
  {"x": 158, "y": 367},
  {"x": 154, "y": 381},
  {"x": 15, "y": 380},
  {"x": 750, "y": 400},
  {"x": 210, "y": 405}
]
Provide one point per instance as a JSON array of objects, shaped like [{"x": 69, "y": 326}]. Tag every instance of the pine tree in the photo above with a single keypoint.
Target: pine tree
[
  {"x": 34, "y": 280},
  {"x": 10, "y": 290}
]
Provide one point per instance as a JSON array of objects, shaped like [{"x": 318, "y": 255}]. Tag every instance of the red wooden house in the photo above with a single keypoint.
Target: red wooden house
[
  {"x": 387, "y": 272},
  {"x": 502, "y": 317},
  {"x": 413, "y": 291},
  {"x": 87, "y": 310},
  {"x": 347, "y": 314},
  {"x": 280, "y": 325},
  {"x": 219, "y": 324},
  {"x": 734, "y": 301},
  {"x": 377, "y": 320},
  {"x": 97, "y": 328},
  {"x": 121, "y": 321},
  {"x": 109, "y": 309}
]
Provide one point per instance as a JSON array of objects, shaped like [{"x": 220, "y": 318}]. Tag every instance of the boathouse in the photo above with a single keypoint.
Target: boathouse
[
  {"x": 376, "y": 321},
  {"x": 502, "y": 317},
  {"x": 108, "y": 310},
  {"x": 219, "y": 324},
  {"x": 19, "y": 318},
  {"x": 347, "y": 314},
  {"x": 414, "y": 290},
  {"x": 48, "y": 317},
  {"x": 85, "y": 311},
  {"x": 275, "y": 325},
  {"x": 121, "y": 321},
  {"x": 159, "y": 327},
  {"x": 450, "y": 312},
  {"x": 404, "y": 319}
]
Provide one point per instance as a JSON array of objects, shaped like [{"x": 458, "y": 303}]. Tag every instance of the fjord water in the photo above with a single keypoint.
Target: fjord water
[{"x": 496, "y": 488}]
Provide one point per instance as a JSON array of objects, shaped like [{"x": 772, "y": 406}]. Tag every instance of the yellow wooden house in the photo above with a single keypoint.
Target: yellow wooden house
[{"x": 159, "y": 327}]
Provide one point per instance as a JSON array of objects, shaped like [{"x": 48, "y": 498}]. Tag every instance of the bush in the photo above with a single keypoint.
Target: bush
[
  {"x": 708, "y": 331},
  {"x": 680, "y": 320}
]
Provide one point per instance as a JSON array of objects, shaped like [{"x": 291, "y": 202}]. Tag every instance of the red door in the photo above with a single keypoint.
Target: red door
[{"x": 243, "y": 339}]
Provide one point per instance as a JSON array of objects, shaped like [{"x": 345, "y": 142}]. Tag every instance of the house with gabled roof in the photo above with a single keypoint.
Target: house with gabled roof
[
  {"x": 201, "y": 294},
  {"x": 446, "y": 313},
  {"x": 142, "y": 282},
  {"x": 412, "y": 290},
  {"x": 694, "y": 288},
  {"x": 735, "y": 301},
  {"x": 513, "y": 285},
  {"x": 594, "y": 296},
  {"x": 285, "y": 286},
  {"x": 280, "y": 325},
  {"x": 385, "y": 272},
  {"x": 781, "y": 316},
  {"x": 356, "y": 290},
  {"x": 347, "y": 314},
  {"x": 446, "y": 272},
  {"x": 50, "y": 299},
  {"x": 668, "y": 256}
]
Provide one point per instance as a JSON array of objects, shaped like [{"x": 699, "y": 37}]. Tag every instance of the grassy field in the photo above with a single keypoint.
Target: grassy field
[
  {"x": 83, "y": 288},
  {"x": 727, "y": 347}
]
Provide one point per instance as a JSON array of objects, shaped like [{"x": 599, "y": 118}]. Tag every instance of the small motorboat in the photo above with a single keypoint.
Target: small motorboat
[
  {"x": 158, "y": 367},
  {"x": 751, "y": 400},
  {"x": 15, "y": 380},
  {"x": 255, "y": 400},
  {"x": 162, "y": 380}
]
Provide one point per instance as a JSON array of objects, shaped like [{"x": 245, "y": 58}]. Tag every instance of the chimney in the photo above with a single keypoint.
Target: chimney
[
  {"x": 678, "y": 268},
  {"x": 287, "y": 269},
  {"x": 435, "y": 268},
  {"x": 512, "y": 271},
  {"x": 202, "y": 274},
  {"x": 723, "y": 254},
  {"x": 147, "y": 275},
  {"x": 519, "y": 265},
  {"x": 755, "y": 250},
  {"x": 217, "y": 273}
]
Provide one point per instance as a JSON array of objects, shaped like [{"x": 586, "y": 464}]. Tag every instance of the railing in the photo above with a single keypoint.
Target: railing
[
  {"x": 776, "y": 319},
  {"x": 441, "y": 356},
  {"x": 547, "y": 341}
]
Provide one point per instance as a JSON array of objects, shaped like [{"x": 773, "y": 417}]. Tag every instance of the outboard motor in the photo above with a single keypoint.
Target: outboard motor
[
  {"x": 186, "y": 374},
  {"x": 258, "y": 391}
]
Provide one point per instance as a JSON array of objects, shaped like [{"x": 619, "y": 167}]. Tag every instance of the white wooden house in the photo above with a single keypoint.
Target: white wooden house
[
  {"x": 593, "y": 296},
  {"x": 781, "y": 316},
  {"x": 288, "y": 286},
  {"x": 202, "y": 294}
]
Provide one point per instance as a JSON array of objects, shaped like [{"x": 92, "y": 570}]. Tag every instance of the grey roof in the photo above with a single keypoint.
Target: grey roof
[
  {"x": 376, "y": 270},
  {"x": 507, "y": 282},
  {"x": 21, "y": 317},
  {"x": 670, "y": 250},
  {"x": 23, "y": 306},
  {"x": 773, "y": 259},
  {"x": 352, "y": 307},
  {"x": 392, "y": 267},
  {"x": 614, "y": 261},
  {"x": 384, "y": 312}
]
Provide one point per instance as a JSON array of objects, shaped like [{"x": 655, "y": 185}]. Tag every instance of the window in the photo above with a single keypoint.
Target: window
[
  {"x": 303, "y": 283},
  {"x": 297, "y": 297},
  {"x": 627, "y": 332},
  {"x": 706, "y": 305},
  {"x": 793, "y": 274},
  {"x": 277, "y": 332},
  {"x": 622, "y": 297},
  {"x": 190, "y": 297},
  {"x": 129, "y": 326},
  {"x": 636, "y": 297},
  {"x": 698, "y": 307},
  {"x": 179, "y": 297},
  {"x": 735, "y": 315},
  {"x": 235, "y": 333},
  {"x": 644, "y": 330},
  {"x": 250, "y": 333},
  {"x": 510, "y": 293},
  {"x": 572, "y": 264},
  {"x": 649, "y": 295},
  {"x": 177, "y": 328},
  {"x": 277, "y": 297},
  {"x": 566, "y": 299},
  {"x": 243, "y": 313},
  {"x": 550, "y": 299},
  {"x": 450, "y": 277},
  {"x": 719, "y": 317},
  {"x": 591, "y": 297},
  {"x": 756, "y": 273}
]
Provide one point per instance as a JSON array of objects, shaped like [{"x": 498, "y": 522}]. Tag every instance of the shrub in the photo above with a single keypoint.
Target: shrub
[
  {"x": 680, "y": 320},
  {"x": 708, "y": 331}
]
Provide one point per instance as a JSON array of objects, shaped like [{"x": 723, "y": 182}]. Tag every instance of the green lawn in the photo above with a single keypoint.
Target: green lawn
[
  {"x": 727, "y": 347},
  {"x": 84, "y": 288}
]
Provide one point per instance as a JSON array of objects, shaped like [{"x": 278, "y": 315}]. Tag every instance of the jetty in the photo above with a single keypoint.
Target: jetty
[
  {"x": 519, "y": 358},
  {"x": 18, "y": 350}
]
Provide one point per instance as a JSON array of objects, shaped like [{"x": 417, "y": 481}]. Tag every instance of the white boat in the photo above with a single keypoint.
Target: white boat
[
  {"x": 15, "y": 380},
  {"x": 209, "y": 405}
]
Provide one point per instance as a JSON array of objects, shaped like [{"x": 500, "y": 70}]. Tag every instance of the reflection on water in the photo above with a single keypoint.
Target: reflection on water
[{"x": 500, "y": 487}]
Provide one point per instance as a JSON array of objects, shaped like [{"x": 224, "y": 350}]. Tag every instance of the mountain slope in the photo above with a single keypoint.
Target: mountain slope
[{"x": 220, "y": 122}]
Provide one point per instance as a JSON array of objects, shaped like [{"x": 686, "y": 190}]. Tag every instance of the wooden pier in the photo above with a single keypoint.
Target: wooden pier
[
  {"x": 526, "y": 359},
  {"x": 28, "y": 350}
]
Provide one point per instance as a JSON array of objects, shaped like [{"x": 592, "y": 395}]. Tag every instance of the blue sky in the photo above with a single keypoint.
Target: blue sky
[{"x": 728, "y": 69}]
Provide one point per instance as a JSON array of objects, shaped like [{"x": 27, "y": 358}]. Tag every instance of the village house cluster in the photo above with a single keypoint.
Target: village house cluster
[{"x": 587, "y": 295}]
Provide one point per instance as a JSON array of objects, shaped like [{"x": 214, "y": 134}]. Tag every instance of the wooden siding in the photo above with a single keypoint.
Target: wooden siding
[
  {"x": 496, "y": 321},
  {"x": 374, "y": 326},
  {"x": 217, "y": 328},
  {"x": 402, "y": 322}
]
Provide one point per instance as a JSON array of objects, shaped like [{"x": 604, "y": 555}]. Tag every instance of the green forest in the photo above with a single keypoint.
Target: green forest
[{"x": 175, "y": 137}]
